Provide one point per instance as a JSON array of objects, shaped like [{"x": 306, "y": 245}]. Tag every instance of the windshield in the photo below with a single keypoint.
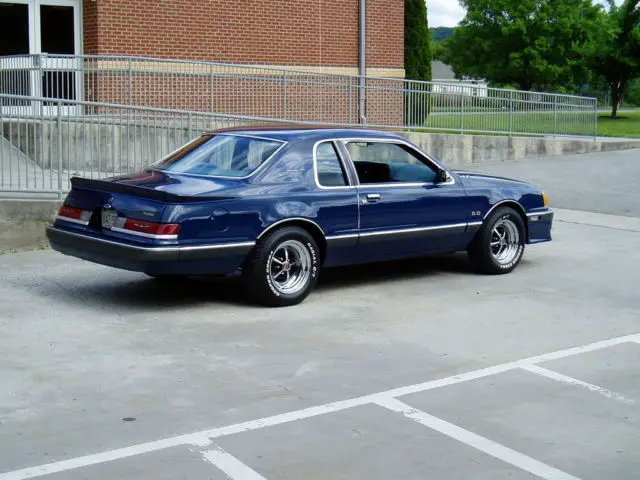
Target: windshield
[{"x": 220, "y": 155}]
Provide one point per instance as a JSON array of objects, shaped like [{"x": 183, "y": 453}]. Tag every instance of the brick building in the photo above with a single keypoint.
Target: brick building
[{"x": 319, "y": 35}]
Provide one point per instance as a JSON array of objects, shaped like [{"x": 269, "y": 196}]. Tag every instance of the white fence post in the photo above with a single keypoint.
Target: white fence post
[{"x": 59, "y": 149}]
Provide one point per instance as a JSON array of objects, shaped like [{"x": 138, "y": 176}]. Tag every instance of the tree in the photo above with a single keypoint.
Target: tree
[
  {"x": 417, "y": 41},
  {"x": 441, "y": 33},
  {"x": 633, "y": 93},
  {"x": 530, "y": 44},
  {"x": 441, "y": 50},
  {"x": 617, "y": 57}
]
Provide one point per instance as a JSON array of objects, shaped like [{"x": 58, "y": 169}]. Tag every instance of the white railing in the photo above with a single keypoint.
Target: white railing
[
  {"x": 290, "y": 94},
  {"x": 39, "y": 154}
]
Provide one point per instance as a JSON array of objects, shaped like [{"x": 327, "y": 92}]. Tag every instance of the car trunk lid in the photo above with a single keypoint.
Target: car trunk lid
[{"x": 138, "y": 206}]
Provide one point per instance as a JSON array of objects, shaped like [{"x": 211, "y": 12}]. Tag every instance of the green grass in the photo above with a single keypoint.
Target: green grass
[
  {"x": 532, "y": 123},
  {"x": 627, "y": 125},
  {"x": 473, "y": 132},
  {"x": 563, "y": 123}
]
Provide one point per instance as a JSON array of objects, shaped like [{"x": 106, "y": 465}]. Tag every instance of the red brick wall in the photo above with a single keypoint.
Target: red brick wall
[
  {"x": 294, "y": 32},
  {"x": 272, "y": 32},
  {"x": 256, "y": 97},
  {"x": 90, "y": 27},
  {"x": 385, "y": 33}
]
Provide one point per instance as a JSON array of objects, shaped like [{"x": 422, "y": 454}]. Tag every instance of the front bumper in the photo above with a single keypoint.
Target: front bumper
[
  {"x": 150, "y": 259},
  {"x": 539, "y": 225}
]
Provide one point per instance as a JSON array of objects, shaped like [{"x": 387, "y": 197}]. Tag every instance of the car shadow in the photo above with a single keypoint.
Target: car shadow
[
  {"x": 390, "y": 271},
  {"x": 148, "y": 294},
  {"x": 152, "y": 294}
]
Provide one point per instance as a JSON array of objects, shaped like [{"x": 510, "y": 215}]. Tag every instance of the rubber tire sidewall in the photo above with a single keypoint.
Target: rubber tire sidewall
[
  {"x": 480, "y": 249},
  {"x": 256, "y": 274}
]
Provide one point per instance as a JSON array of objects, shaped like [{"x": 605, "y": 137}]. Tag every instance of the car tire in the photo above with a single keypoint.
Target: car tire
[
  {"x": 283, "y": 268},
  {"x": 499, "y": 245}
]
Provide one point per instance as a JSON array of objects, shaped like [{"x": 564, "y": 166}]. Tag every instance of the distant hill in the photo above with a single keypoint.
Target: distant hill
[{"x": 442, "y": 33}]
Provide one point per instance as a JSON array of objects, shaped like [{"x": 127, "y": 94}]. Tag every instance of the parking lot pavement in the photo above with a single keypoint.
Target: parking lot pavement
[
  {"x": 412, "y": 369},
  {"x": 407, "y": 369},
  {"x": 595, "y": 182}
]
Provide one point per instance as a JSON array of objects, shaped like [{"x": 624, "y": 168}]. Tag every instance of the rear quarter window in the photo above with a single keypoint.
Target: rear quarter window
[{"x": 329, "y": 167}]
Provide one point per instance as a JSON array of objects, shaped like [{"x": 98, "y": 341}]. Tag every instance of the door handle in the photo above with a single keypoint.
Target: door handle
[{"x": 372, "y": 197}]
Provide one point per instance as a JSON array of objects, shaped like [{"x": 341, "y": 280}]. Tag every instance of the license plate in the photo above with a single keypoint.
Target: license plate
[{"x": 109, "y": 218}]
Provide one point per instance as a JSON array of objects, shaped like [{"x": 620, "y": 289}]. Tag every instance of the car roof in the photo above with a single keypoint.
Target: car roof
[{"x": 290, "y": 132}]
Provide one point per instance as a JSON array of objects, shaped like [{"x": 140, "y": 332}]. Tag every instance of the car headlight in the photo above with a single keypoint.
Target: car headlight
[{"x": 545, "y": 199}]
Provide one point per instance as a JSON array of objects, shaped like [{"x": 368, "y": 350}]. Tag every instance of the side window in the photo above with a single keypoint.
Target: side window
[
  {"x": 330, "y": 170},
  {"x": 381, "y": 162}
]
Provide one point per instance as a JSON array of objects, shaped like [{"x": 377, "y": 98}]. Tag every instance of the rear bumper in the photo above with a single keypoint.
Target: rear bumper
[
  {"x": 539, "y": 226},
  {"x": 214, "y": 258}
]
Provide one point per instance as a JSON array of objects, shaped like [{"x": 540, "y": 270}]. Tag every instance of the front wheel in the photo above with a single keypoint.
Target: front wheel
[
  {"x": 283, "y": 267},
  {"x": 499, "y": 246}
]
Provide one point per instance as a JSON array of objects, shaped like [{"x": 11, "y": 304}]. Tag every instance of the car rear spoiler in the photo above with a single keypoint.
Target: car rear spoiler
[{"x": 134, "y": 190}]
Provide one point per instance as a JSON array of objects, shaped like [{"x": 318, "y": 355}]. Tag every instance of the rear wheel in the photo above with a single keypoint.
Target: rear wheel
[
  {"x": 499, "y": 246},
  {"x": 283, "y": 268}
]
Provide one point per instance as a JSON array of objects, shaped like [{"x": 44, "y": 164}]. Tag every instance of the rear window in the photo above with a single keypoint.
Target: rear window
[{"x": 220, "y": 155}]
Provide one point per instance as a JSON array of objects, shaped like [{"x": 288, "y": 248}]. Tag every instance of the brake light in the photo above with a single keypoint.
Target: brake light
[
  {"x": 152, "y": 228},
  {"x": 70, "y": 212},
  {"x": 74, "y": 214}
]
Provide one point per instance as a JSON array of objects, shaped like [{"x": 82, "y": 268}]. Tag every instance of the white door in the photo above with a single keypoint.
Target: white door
[
  {"x": 38, "y": 42},
  {"x": 17, "y": 42},
  {"x": 58, "y": 39}
]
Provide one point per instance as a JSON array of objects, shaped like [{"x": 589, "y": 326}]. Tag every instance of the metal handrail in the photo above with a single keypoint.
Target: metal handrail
[{"x": 300, "y": 94}]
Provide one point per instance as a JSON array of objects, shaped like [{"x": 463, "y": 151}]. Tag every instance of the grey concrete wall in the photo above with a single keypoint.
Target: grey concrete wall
[
  {"x": 13, "y": 161},
  {"x": 23, "y": 223},
  {"x": 459, "y": 150},
  {"x": 119, "y": 147},
  {"x": 91, "y": 146},
  {"x": 115, "y": 145}
]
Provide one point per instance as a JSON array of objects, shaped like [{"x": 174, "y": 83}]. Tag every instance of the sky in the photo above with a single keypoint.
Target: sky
[{"x": 447, "y": 13}]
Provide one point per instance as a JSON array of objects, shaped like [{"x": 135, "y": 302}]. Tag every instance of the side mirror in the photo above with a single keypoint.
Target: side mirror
[{"x": 442, "y": 176}]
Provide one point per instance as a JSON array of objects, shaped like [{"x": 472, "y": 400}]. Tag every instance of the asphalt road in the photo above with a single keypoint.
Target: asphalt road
[{"x": 412, "y": 370}]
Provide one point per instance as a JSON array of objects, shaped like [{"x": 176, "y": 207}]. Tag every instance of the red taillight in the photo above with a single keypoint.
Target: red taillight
[
  {"x": 71, "y": 212},
  {"x": 74, "y": 215},
  {"x": 152, "y": 228}
]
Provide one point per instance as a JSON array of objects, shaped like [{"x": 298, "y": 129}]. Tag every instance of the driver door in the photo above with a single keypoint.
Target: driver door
[{"x": 404, "y": 208}]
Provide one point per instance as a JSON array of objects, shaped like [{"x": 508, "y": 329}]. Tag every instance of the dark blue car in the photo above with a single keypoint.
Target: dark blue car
[{"x": 278, "y": 204}]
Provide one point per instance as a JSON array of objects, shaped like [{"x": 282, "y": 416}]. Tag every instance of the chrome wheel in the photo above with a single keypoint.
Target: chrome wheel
[
  {"x": 290, "y": 267},
  {"x": 505, "y": 241}
]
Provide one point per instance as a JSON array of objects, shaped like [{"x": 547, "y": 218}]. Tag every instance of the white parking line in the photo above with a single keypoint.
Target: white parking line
[
  {"x": 230, "y": 465},
  {"x": 559, "y": 377},
  {"x": 478, "y": 442},
  {"x": 204, "y": 437}
]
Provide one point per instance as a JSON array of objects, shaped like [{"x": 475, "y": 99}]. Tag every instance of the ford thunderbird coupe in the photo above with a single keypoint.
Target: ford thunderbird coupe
[{"x": 275, "y": 205}]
